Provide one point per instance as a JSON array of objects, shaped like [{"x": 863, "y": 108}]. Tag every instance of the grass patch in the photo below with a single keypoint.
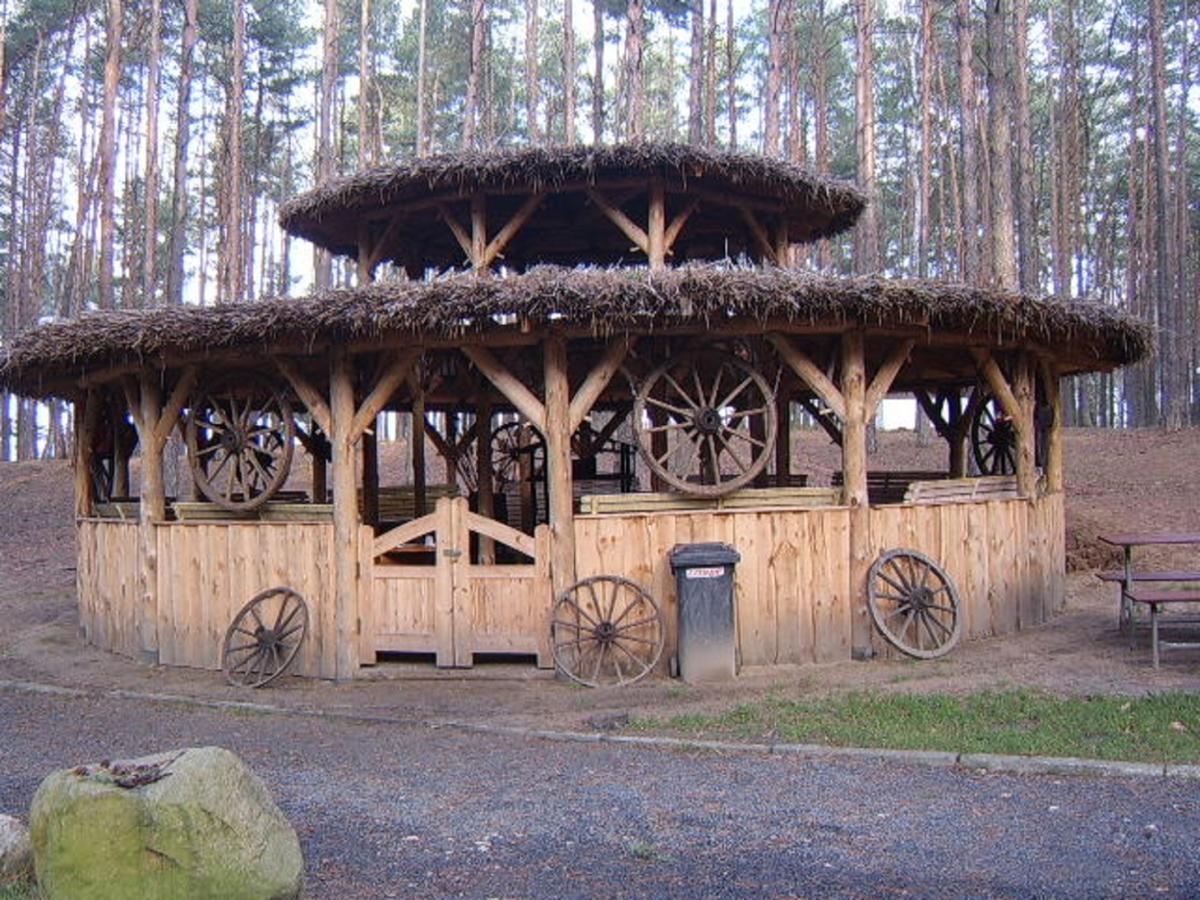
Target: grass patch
[
  {"x": 1161, "y": 728},
  {"x": 19, "y": 890},
  {"x": 647, "y": 852}
]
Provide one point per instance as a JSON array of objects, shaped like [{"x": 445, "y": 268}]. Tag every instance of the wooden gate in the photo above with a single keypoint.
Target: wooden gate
[{"x": 443, "y": 603}]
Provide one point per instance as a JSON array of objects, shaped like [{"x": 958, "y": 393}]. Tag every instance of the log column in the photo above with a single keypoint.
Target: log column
[
  {"x": 485, "y": 483},
  {"x": 854, "y": 489},
  {"x": 560, "y": 501},
  {"x": 87, "y": 410},
  {"x": 1025, "y": 394},
  {"x": 1054, "y": 435},
  {"x": 345, "y": 517}
]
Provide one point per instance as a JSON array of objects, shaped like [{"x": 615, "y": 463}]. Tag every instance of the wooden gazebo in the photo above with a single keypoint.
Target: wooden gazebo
[{"x": 608, "y": 349}]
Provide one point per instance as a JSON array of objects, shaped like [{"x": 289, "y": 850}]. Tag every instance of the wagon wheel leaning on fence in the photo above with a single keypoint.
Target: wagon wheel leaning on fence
[
  {"x": 240, "y": 440},
  {"x": 705, "y": 422},
  {"x": 914, "y": 604},
  {"x": 606, "y": 630},
  {"x": 994, "y": 435},
  {"x": 264, "y": 638}
]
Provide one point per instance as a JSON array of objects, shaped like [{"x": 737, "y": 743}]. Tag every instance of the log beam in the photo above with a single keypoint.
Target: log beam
[
  {"x": 628, "y": 227},
  {"x": 345, "y": 517},
  {"x": 596, "y": 381},
  {"x": 508, "y": 385},
  {"x": 1016, "y": 401},
  {"x": 87, "y": 414},
  {"x": 460, "y": 233},
  {"x": 478, "y": 230},
  {"x": 495, "y": 248},
  {"x": 676, "y": 226},
  {"x": 656, "y": 225},
  {"x": 557, "y": 434},
  {"x": 308, "y": 394},
  {"x": 808, "y": 372},
  {"x": 886, "y": 375},
  {"x": 1054, "y": 435},
  {"x": 391, "y": 378},
  {"x": 854, "y": 475},
  {"x": 766, "y": 248}
]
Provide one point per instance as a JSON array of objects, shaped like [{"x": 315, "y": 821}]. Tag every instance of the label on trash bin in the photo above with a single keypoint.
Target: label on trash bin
[{"x": 712, "y": 572}]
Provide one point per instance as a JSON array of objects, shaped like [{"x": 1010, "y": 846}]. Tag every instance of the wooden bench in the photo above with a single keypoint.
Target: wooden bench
[
  {"x": 890, "y": 485},
  {"x": 963, "y": 490},
  {"x": 747, "y": 498},
  {"x": 1154, "y": 599}
]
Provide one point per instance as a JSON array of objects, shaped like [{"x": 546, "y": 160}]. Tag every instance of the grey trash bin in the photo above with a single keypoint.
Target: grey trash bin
[{"x": 704, "y": 586}]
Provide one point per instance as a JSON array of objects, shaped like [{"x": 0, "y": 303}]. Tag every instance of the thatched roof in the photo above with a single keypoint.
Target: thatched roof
[
  {"x": 567, "y": 229},
  {"x": 601, "y": 301}
]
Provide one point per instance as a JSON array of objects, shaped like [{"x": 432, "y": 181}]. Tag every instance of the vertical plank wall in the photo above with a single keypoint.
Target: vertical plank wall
[
  {"x": 792, "y": 589},
  {"x": 107, "y": 584},
  {"x": 791, "y": 586},
  {"x": 208, "y": 571}
]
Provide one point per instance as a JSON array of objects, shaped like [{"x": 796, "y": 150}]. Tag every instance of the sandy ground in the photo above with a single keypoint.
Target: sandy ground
[{"x": 1117, "y": 481}]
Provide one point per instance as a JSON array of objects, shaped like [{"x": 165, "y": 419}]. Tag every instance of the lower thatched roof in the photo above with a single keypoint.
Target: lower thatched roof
[{"x": 604, "y": 301}]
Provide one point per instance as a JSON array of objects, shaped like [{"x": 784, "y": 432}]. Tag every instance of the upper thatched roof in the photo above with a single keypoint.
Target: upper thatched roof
[
  {"x": 567, "y": 229},
  {"x": 603, "y": 301}
]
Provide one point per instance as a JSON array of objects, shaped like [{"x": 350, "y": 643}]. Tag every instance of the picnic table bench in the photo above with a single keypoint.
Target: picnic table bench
[{"x": 1141, "y": 588}]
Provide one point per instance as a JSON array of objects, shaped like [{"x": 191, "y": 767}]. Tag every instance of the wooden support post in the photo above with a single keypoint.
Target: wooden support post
[
  {"x": 418, "y": 448},
  {"x": 366, "y": 254},
  {"x": 152, "y": 510},
  {"x": 370, "y": 478},
  {"x": 121, "y": 451},
  {"x": 854, "y": 480},
  {"x": 783, "y": 244},
  {"x": 478, "y": 231},
  {"x": 345, "y": 518},
  {"x": 1054, "y": 434},
  {"x": 1026, "y": 433},
  {"x": 320, "y": 484},
  {"x": 656, "y": 225},
  {"x": 485, "y": 484},
  {"x": 783, "y": 439},
  {"x": 87, "y": 411},
  {"x": 558, "y": 464}
]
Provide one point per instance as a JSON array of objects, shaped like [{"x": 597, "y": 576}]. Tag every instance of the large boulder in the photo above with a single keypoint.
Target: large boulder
[
  {"x": 16, "y": 852},
  {"x": 188, "y": 823}
]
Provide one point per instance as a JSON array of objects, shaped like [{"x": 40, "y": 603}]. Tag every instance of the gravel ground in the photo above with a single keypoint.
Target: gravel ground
[{"x": 388, "y": 811}]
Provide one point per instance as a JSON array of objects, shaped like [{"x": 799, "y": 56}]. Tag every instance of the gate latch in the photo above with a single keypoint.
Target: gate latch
[{"x": 451, "y": 553}]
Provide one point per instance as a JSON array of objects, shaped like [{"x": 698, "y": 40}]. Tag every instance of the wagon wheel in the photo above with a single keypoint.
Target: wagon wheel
[
  {"x": 993, "y": 439},
  {"x": 255, "y": 653},
  {"x": 606, "y": 630},
  {"x": 239, "y": 438},
  {"x": 717, "y": 414},
  {"x": 509, "y": 442},
  {"x": 914, "y": 604}
]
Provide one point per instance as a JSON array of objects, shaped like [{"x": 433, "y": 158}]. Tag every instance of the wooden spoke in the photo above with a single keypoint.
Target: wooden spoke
[
  {"x": 624, "y": 624},
  {"x": 923, "y": 594},
  {"x": 511, "y": 444},
  {"x": 270, "y": 650},
  {"x": 240, "y": 437},
  {"x": 709, "y": 416}
]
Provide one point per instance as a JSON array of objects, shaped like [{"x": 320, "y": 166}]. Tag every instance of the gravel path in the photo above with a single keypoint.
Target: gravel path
[{"x": 390, "y": 811}]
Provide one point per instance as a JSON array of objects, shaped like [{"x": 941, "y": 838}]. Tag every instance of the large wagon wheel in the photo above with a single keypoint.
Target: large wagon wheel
[
  {"x": 264, "y": 638},
  {"x": 512, "y": 442},
  {"x": 717, "y": 414},
  {"x": 240, "y": 441},
  {"x": 993, "y": 439},
  {"x": 606, "y": 630},
  {"x": 914, "y": 604}
]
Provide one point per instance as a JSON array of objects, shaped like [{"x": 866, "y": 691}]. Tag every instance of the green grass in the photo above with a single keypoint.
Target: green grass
[
  {"x": 19, "y": 890},
  {"x": 1161, "y": 728}
]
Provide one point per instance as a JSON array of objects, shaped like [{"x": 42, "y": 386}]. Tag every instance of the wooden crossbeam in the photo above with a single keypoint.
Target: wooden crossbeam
[
  {"x": 628, "y": 227},
  {"x": 170, "y": 414},
  {"x": 882, "y": 382},
  {"x": 309, "y": 395},
  {"x": 808, "y": 372},
  {"x": 460, "y": 233},
  {"x": 495, "y": 247},
  {"x": 381, "y": 245},
  {"x": 677, "y": 223},
  {"x": 998, "y": 385},
  {"x": 385, "y": 386},
  {"x": 508, "y": 385},
  {"x": 596, "y": 381},
  {"x": 758, "y": 232}
]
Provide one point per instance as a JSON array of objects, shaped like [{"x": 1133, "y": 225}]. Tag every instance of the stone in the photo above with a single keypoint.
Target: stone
[
  {"x": 187, "y": 823},
  {"x": 16, "y": 851}
]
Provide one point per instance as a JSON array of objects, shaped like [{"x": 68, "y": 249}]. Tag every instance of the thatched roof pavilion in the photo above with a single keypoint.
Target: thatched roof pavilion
[{"x": 563, "y": 324}]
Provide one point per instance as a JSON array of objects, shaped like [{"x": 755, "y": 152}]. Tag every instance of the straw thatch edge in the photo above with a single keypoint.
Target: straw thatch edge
[{"x": 606, "y": 301}]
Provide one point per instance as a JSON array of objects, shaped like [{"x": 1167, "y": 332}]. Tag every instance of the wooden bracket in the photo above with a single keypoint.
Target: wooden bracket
[
  {"x": 882, "y": 382},
  {"x": 309, "y": 395},
  {"x": 597, "y": 380},
  {"x": 677, "y": 223},
  {"x": 999, "y": 386},
  {"x": 508, "y": 385},
  {"x": 390, "y": 379},
  {"x": 628, "y": 227},
  {"x": 460, "y": 233},
  {"x": 808, "y": 372},
  {"x": 495, "y": 248},
  {"x": 766, "y": 247},
  {"x": 170, "y": 414}
]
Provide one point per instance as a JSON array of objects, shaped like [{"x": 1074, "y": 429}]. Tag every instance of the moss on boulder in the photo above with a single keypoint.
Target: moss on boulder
[{"x": 190, "y": 823}]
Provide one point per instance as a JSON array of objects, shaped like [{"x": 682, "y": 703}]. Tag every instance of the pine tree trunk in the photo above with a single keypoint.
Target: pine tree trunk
[
  {"x": 107, "y": 150},
  {"x": 1030, "y": 264},
  {"x": 1173, "y": 402},
  {"x": 366, "y": 87},
  {"x": 471, "y": 110},
  {"x": 867, "y": 244},
  {"x": 635, "y": 39},
  {"x": 183, "y": 124},
  {"x": 820, "y": 90},
  {"x": 710, "y": 78},
  {"x": 150, "y": 251},
  {"x": 696, "y": 75},
  {"x": 570, "y": 68},
  {"x": 531, "y": 71},
  {"x": 776, "y": 35},
  {"x": 598, "y": 72},
  {"x": 230, "y": 261},
  {"x": 968, "y": 238},
  {"x": 731, "y": 72},
  {"x": 422, "y": 128},
  {"x": 928, "y": 52},
  {"x": 323, "y": 263},
  {"x": 1002, "y": 248}
]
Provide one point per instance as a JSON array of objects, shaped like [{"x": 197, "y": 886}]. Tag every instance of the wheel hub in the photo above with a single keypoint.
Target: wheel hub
[
  {"x": 707, "y": 420},
  {"x": 606, "y": 632}
]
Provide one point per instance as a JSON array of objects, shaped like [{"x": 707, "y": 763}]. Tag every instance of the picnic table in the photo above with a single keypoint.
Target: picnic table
[{"x": 1134, "y": 589}]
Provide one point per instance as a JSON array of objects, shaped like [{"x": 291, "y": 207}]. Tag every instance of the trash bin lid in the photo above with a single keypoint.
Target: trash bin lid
[{"x": 687, "y": 556}]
